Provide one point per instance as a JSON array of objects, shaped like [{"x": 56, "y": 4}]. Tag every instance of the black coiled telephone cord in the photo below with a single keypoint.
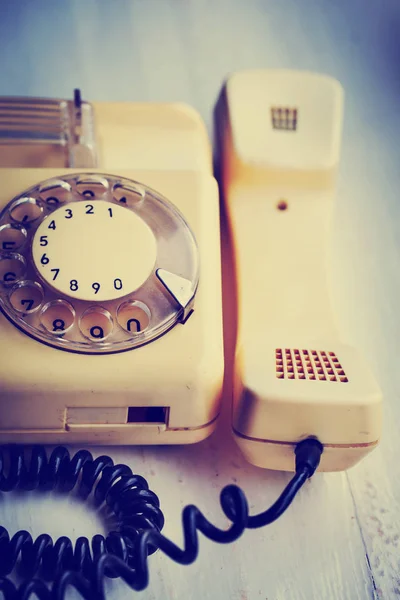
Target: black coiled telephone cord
[{"x": 123, "y": 553}]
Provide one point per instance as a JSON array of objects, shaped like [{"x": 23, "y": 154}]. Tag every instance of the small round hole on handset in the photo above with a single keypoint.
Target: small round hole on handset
[{"x": 282, "y": 205}]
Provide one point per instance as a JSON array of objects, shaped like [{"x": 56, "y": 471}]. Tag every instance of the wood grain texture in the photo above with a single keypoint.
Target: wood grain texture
[{"x": 341, "y": 538}]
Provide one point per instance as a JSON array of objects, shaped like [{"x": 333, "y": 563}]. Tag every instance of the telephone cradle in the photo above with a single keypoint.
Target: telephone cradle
[{"x": 129, "y": 309}]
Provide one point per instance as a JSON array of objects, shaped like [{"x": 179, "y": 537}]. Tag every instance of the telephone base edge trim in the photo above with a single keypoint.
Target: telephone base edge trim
[{"x": 116, "y": 435}]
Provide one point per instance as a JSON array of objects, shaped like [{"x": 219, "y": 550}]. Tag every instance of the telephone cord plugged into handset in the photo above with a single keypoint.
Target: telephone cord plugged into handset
[
  {"x": 86, "y": 305},
  {"x": 124, "y": 552}
]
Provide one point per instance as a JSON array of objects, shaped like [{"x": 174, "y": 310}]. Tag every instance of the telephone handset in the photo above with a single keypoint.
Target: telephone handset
[
  {"x": 294, "y": 376},
  {"x": 111, "y": 282}
]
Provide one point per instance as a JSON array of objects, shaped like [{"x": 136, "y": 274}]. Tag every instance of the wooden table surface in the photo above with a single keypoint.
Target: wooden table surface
[{"x": 341, "y": 538}]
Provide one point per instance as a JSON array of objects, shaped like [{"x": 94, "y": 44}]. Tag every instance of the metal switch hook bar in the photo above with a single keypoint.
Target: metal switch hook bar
[{"x": 32, "y": 124}]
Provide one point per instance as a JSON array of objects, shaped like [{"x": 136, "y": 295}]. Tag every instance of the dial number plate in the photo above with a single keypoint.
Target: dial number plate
[{"x": 94, "y": 251}]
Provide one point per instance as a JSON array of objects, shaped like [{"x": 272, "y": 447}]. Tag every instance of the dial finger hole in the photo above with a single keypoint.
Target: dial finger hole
[
  {"x": 12, "y": 237},
  {"x": 90, "y": 186},
  {"x": 96, "y": 324},
  {"x": 128, "y": 195},
  {"x": 133, "y": 316},
  {"x": 25, "y": 210},
  {"x": 55, "y": 192},
  {"x": 12, "y": 268},
  {"x": 26, "y": 297},
  {"x": 57, "y": 317}
]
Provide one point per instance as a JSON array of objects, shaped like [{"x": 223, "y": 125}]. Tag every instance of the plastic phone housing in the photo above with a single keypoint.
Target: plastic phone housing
[{"x": 167, "y": 389}]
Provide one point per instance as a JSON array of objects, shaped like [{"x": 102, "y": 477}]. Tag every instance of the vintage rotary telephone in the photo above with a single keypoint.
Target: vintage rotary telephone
[{"x": 111, "y": 329}]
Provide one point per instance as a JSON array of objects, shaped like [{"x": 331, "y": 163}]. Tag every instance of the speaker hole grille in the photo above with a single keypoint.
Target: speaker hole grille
[{"x": 314, "y": 365}]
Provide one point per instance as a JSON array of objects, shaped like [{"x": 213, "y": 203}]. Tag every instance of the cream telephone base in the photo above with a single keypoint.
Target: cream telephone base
[
  {"x": 110, "y": 289},
  {"x": 294, "y": 377}
]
